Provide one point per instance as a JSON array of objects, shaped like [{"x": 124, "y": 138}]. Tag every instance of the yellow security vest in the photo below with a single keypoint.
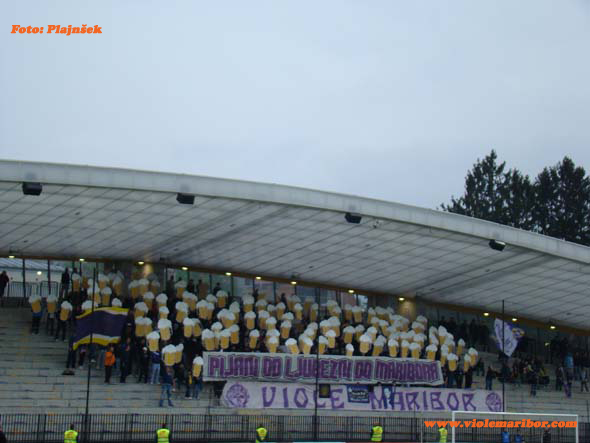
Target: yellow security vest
[
  {"x": 443, "y": 435},
  {"x": 163, "y": 435},
  {"x": 70, "y": 436},
  {"x": 377, "y": 434},
  {"x": 261, "y": 433}
]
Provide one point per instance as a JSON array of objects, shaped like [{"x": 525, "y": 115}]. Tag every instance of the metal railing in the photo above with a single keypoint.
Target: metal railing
[
  {"x": 18, "y": 290},
  {"x": 140, "y": 428}
]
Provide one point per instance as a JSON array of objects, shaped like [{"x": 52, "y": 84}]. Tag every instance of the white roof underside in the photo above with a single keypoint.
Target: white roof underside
[{"x": 278, "y": 231}]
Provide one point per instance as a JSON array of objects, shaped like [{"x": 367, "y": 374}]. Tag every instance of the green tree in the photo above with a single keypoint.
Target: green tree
[
  {"x": 518, "y": 195},
  {"x": 562, "y": 202},
  {"x": 556, "y": 204},
  {"x": 496, "y": 195}
]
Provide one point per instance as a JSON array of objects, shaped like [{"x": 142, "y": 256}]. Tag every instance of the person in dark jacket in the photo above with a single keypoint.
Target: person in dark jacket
[
  {"x": 190, "y": 286},
  {"x": 71, "y": 360},
  {"x": 144, "y": 365},
  {"x": 179, "y": 377},
  {"x": 65, "y": 283},
  {"x": 490, "y": 374},
  {"x": 4, "y": 280},
  {"x": 534, "y": 381},
  {"x": 2, "y": 436},
  {"x": 468, "y": 378},
  {"x": 125, "y": 359}
]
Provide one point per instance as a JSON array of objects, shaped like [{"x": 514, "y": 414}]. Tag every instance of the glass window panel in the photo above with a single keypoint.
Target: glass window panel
[
  {"x": 266, "y": 287},
  {"x": 221, "y": 281},
  {"x": 347, "y": 298},
  {"x": 242, "y": 286},
  {"x": 363, "y": 301},
  {"x": 428, "y": 311},
  {"x": 201, "y": 281},
  {"x": 285, "y": 289},
  {"x": 305, "y": 291},
  {"x": 57, "y": 269},
  {"x": 325, "y": 295}
]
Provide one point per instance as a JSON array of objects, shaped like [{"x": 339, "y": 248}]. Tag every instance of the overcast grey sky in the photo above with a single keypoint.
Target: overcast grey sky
[{"x": 386, "y": 99}]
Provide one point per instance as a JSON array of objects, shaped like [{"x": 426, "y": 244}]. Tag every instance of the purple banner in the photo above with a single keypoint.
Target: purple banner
[
  {"x": 332, "y": 368},
  {"x": 104, "y": 324},
  {"x": 254, "y": 395}
]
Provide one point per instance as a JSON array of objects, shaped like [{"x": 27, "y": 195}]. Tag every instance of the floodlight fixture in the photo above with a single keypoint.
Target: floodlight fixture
[
  {"x": 497, "y": 245},
  {"x": 30, "y": 188},
  {"x": 352, "y": 217},
  {"x": 185, "y": 199}
]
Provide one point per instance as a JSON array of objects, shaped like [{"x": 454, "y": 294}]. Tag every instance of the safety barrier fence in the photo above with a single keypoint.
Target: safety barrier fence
[
  {"x": 140, "y": 428},
  {"x": 16, "y": 289}
]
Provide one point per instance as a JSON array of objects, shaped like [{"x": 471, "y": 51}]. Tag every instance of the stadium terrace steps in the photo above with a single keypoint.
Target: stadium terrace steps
[{"x": 31, "y": 381}]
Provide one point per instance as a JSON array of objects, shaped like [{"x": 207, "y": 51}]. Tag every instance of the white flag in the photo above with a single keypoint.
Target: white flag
[{"x": 510, "y": 339}]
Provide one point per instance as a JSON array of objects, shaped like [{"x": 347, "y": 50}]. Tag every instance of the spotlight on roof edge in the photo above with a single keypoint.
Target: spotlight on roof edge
[
  {"x": 352, "y": 217},
  {"x": 351, "y": 291},
  {"x": 32, "y": 188},
  {"x": 140, "y": 263},
  {"x": 401, "y": 298},
  {"x": 11, "y": 256},
  {"x": 486, "y": 314},
  {"x": 258, "y": 278},
  {"x": 514, "y": 319},
  {"x": 81, "y": 259},
  {"x": 497, "y": 245},
  {"x": 185, "y": 199},
  {"x": 228, "y": 274},
  {"x": 552, "y": 327}
]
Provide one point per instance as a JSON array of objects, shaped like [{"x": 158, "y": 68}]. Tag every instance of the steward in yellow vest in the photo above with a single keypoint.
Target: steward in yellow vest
[
  {"x": 443, "y": 434},
  {"x": 261, "y": 434},
  {"x": 70, "y": 436},
  {"x": 377, "y": 433},
  {"x": 163, "y": 434}
]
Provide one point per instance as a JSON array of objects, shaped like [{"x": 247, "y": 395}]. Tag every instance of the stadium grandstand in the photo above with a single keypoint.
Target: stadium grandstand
[{"x": 222, "y": 305}]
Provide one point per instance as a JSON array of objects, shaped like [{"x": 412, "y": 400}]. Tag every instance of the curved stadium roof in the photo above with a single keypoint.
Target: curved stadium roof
[{"x": 277, "y": 231}]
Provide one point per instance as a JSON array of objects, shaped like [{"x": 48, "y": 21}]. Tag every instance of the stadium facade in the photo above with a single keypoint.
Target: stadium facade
[
  {"x": 284, "y": 243},
  {"x": 279, "y": 239}
]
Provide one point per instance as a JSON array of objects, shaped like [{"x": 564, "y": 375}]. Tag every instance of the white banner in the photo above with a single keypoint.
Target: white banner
[
  {"x": 510, "y": 339},
  {"x": 257, "y": 395},
  {"x": 255, "y": 366}
]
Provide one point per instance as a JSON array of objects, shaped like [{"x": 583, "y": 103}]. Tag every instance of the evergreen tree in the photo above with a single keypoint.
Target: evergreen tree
[
  {"x": 482, "y": 191},
  {"x": 557, "y": 204},
  {"x": 562, "y": 202},
  {"x": 517, "y": 194},
  {"x": 496, "y": 195}
]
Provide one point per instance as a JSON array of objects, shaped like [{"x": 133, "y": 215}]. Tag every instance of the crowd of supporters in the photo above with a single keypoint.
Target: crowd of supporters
[{"x": 310, "y": 328}]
